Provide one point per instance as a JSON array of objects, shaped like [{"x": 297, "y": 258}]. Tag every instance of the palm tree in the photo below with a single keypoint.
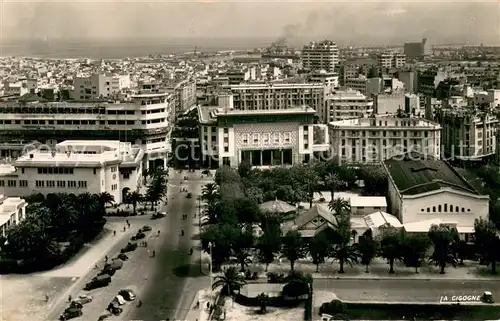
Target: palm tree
[
  {"x": 230, "y": 281},
  {"x": 391, "y": 248},
  {"x": 103, "y": 199},
  {"x": 331, "y": 182},
  {"x": 293, "y": 248},
  {"x": 263, "y": 302},
  {"x": 442, "y": 237},
  {"x": 134, "y": 198},
  {"x": 339, "y": 205},
  {"x": 209, "y": 192}
]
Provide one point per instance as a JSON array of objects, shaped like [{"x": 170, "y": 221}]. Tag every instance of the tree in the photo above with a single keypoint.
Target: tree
[
  {"x": 339, "y": 205},
  {"x": 487, "y": 242},
  {"x": 319, "y": 248},
  {"x": 230, "y": 281},
  {"x": 307, "y": 180},
  {"x": 293, "y": 247},
  {"x": 367, "y": 247},
  {"x": 221, "y": 236},
  {"x": 242, "y": 246},
  {"x": 415, "y": 249},
  {"x": 247, "y": 211},
  {"x": 244, "y": 169},
  {"x": 103, "y": 199},
  {"x": 331, "y": 182},
  {"x": 134, "y": 198},
  {"x": 156, "y": 189},
  {"x": 342, "y": 250},
  {"x": 268, "y": 246},
  {"x": 442, "y": 237},
  {"x": 391, "y": 248}
]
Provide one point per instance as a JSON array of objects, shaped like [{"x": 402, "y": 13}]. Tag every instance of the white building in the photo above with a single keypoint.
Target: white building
[
  {"x": 365, "y": 205},
  {"x": 260, "y": 137},
  {"x": 346, "y": 104},
  {"x": 425, "y": 191},
  {"x": 88, "y": 87},
  {"x": 146, "y": 120},
  {"x": 387, "y": 60},
  {"x": 12, "y": 212},
  {"x": 76, "y": 167},
  {"x": 323, "y": 55},
  {"x": 372, "y": 140},
  {"x": 329, "y": 79}
]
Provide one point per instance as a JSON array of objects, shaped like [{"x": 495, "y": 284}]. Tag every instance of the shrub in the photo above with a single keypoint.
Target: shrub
[
  {"x": 333, "y": 307},
  {"x": 295, "y": 289}
]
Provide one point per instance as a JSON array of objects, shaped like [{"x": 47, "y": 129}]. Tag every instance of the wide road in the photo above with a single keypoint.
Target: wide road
[
  {"x": 168, "y": 292},
  {"x": 404, "y": 290}
]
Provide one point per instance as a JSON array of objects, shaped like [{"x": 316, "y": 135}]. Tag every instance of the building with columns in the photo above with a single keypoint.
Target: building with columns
[{"x": 260, "y": 137}]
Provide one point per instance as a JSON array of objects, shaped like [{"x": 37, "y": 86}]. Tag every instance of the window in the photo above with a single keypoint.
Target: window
[
  {"x": 463, "y": 209},
  {"x": 226, "y": 149},
  {"x": 126, "y": 175},
  {"x": 23, "y": 183},
  {"x": 51, "y": 183},
  {"x": 61, "y": 184},
  {"x": 95, "y": 171},
  {"x": 456, "y": 209},
  {"x": 276, "y": 137},
  {"x": 255, "y": 138},
  {"x": 12, "y": 183},
  {"x": 114, "y": 187},
  {"x": 2, "y": 183},
  {"x": 39, "y": 183},
  {"x": 287, "y": 137},
  {"x": 71, "y": 184},
  {"x": 428, "y": 210},
  {"x": 445, "y": 207},
  {"x": 266, "y": 138},
  {"x": 434, "y": 208},
  {"x": 82, "y": 184},
  {"x": 244, "y": 138},
  {"x": 439, "y": 208},
  {"x": 226, "y": 130}
]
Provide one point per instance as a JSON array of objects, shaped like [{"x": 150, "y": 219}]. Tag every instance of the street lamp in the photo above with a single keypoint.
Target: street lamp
[{"x": 211, "y": 280}]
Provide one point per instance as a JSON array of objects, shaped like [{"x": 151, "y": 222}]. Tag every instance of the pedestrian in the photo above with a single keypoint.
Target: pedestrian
[
  {"x": 197, "y": 304},
  {"x": 124, "y": 228},
  {"x": 145, "y": 243},
  {"x": 158, "y": 233},
  {"x": 96, "y": 267},
  {"x": 154, "y": 253},
  {"x": 106, "y": 258},
  {"x": 128, "y": 223},
  {"x": 208, "y": 305},
  {"x": 69, "y": 298},
  {"x": 114, "y": 232},
  {"x": 194, "y": 215},
  {"x": 139, "y": 303},
  {"x": 46, "y": 298}
]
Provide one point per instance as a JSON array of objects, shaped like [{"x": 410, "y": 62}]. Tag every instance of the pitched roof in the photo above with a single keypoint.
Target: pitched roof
[{"x": 414, "y": 174}]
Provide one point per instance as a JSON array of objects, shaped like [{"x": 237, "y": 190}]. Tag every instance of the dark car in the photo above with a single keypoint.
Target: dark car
[
  {"x": 146, "y": 228},
  {"x": 189, "y": 195},
  {"x": 83, "y": 299},
  {"x": 129, "y": 248},
  {"x": 158, "y": 215},
  {"x": 123, "y": 257},
  {"x": 71, "y": 313},
  {"x": 114, "y": 308},
  {"x": 98, "y": 282},
  {"x": 127, "y": 294},
  {"x": 138, "y": 236}
]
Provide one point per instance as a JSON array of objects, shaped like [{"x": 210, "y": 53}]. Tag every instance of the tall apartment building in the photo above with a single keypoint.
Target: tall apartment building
[
  {"x": 353, "y": 68},
  {"x": 387, "y": 60},
  {"x": 468, "y": 134},
  {"x": 145, "y": 121},
  {"x": 323, "y": 55},
  {"x": 346, "y": 104},
  {"x": 89, "y": 87},
  {"x": 184, "y": 94},
  {"x": 416, "y": 50},
  {"x": 277, "y": 96},
  {"x": 372, "y": 140},
  {"x": 429, "y": 80}
]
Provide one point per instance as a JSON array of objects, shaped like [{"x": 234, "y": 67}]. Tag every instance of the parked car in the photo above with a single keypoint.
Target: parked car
[
  {"x": 111, "y": 268},
  {"x": 98, "y": 282},
  {"x": 138, "y": 236},
  {"x": 71, "y": 313},
  {"x": 123, "y": 257},
  {"x": 146, "y": 228},
  {"x": 114, "y": 308},
  {"x": 487, "y": 297},
  {"x": 129, "y": 248},
  {"x": 127, "y": 294},
  {"x": 189, "y": 195},
  {"x": 158, "y": 215},
  {"x": 81, "y": 300},
  {"x": 76, "y": 304},
  {"x": 104, "y": 316},
  {"x": 119, "y": 299}
]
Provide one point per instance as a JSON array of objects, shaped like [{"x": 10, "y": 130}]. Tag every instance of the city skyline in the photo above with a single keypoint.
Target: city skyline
[{"x": 360, "y": 23}]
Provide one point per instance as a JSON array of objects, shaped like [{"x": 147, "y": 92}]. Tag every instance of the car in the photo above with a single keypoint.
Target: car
[
  {"x": 127, "y": 294},
  {"x": 129, "y": 248},
  {"x": 189, "y": 195},
  {"x": 114, "y": 308},
  {"x": 84, "y": 299},
  {"x": 138, "y": 236},
  {"x": 123, "y": 257},
  {"x": 158, "y": 215},
  {"x": 146, "y": 228},
  {"x": 487, "y": 297},
  {"x": 71, "y": 313}
]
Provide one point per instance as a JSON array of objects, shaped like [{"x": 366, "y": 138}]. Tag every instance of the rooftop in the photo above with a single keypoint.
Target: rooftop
[
  {"x": 415, "y": 174},
  {"x": 389, "y": 121},
  {"x": 211, "y": 113}
]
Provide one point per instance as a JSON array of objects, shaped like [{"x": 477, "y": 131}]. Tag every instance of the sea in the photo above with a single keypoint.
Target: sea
[{"x": 119, "y": 49}]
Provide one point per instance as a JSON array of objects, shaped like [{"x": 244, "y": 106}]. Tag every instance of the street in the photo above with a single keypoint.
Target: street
[
  {"x": 168, "y": 293},
  {"x": 404, "y": 290}
]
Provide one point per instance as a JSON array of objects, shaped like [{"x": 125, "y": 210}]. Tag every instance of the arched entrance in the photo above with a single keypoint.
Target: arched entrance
[
  {"x": 125, "y": 191},
  {"x": 159, "y": 163}
]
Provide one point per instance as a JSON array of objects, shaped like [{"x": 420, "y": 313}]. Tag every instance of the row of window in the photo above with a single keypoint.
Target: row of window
[
  {"x": 445, "y": 208},
  {"x": 39, "y": 183},
  {"x": 55, "y": 170},
  {"x": 79, "y": 122},
  {"x": 266, "y": 138},
  {"x": 114, "y": 187}
]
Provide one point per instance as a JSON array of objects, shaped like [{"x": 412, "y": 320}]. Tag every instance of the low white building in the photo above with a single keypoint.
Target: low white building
[
  {"x": 372, "y": 140},
  {"x": 12, "y": 212},
  {"x": 425, "y": 191},
  {"x": 364, "y": 205},
  {"x": 75, "y": 167}
]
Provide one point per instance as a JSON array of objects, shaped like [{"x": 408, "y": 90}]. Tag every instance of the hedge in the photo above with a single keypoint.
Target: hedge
[{"x": 277, "y": 302}]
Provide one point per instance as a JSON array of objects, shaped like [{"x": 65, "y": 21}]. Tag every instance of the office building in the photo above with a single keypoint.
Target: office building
[
  {"x": 323, "y": 55},
  {"x": 372, "y": 140},
  {"x": 260, "y": 137},
  {"x": 12, "y": 212},
  {"x": 346, "y": 104},
  {"x": 277, "y": 96},
  {"x": 388, "y": 60},
  {"x": 76, "y": 167},
  {"x": 184, "y": 94},
  {"x": 329, "y": 79},
  {"x": 145, "y": 120},
  {"x": 94, "y": 86},
  {"x": 416, "y": 50},
  {"x": 468, "y": 134}
]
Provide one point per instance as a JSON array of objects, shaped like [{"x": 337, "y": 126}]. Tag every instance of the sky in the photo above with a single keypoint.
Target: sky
[{"x": 350, "y": 22}]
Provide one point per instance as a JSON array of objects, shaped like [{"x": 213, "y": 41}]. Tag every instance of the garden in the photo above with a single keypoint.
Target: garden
[{"x": 233, "y": 215}]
